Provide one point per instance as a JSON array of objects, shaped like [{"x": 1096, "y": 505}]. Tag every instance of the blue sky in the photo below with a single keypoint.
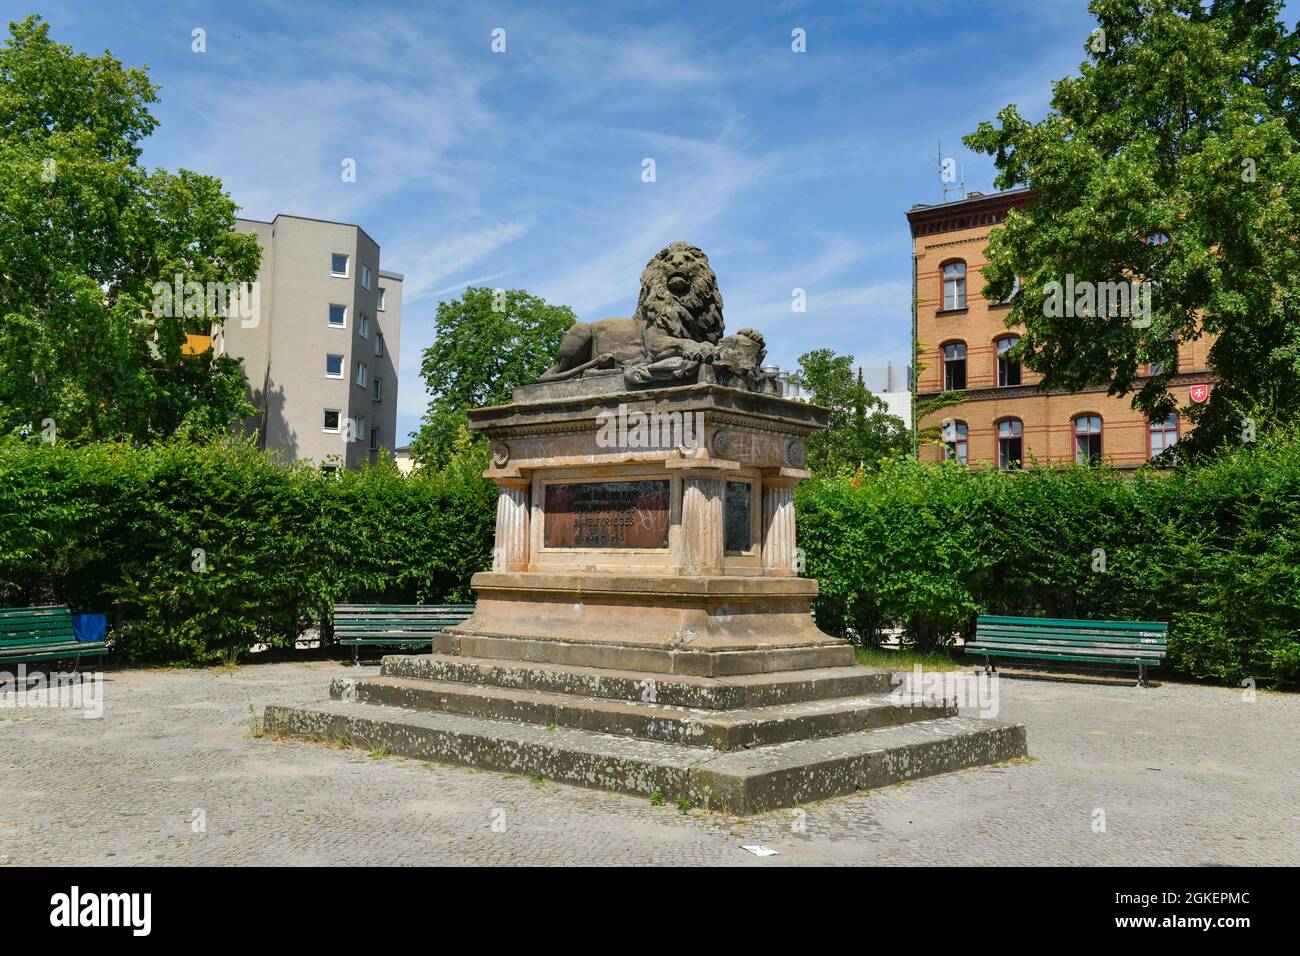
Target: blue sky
[{"x": 523, "y": 169}]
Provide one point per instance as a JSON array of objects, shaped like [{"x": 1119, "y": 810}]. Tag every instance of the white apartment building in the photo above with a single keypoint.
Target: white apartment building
[{"x": 321, "y": 347}]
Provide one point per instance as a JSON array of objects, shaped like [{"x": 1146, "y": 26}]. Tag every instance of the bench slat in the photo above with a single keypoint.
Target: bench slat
[
  {"x": 1074, "y": 622},
  {"x": 1072, "y": 637},
  {"x": 995, "y": 648},
  {"x": 1144, "y": 643}
]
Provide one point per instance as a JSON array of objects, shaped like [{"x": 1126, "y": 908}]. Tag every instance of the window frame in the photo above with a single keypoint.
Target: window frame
[
  {"x": 338, "y": 426},
  {"x": 377, "y": 389},
  {"x": 342, "y": 365},
  {"x": 379, "y": 303},
  {"x": 379, "y": 345},
  {"x": 347, "y": 265},
  {"x": 965, "y": 368},
  {"x": 1005, "y": 462},
  {"x": 1163, "y": 428},
  {"x": 959, "y": 286},
  {"x": 960, "y": 432},
  {"x": 1075, "y": 422},
  {"x": 367, "y": 278},
  {"x": 363, "y": 325},
  {"x": 1005, "y": 365},
  {"x": 329, "y": 315},
  {"x": 361, "y": 375}
]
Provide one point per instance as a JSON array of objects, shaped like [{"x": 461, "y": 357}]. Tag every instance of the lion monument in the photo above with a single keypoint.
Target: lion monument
[{"x": 676, "y": 329}]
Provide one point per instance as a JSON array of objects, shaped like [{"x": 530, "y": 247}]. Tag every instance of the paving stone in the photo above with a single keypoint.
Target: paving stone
[{"x": 1185, "y": 775}]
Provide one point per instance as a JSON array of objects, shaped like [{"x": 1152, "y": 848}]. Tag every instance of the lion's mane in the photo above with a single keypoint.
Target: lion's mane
[{"x": 697, "y": 315}]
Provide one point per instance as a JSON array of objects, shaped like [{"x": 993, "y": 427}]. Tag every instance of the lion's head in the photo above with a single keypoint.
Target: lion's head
[{"x": 679, "y": 294}]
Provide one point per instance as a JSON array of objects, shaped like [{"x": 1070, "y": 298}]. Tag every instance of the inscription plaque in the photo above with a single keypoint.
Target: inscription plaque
[
  {"x": 738, "y": 530},
  {"x": 607, "y": 514}
]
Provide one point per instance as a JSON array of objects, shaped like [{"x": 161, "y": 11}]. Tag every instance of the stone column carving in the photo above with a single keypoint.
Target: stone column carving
[
  {"x": 510, "y": 552},
  {"x": 779, "y": 540},
  {"x": 702, "y": 528}
]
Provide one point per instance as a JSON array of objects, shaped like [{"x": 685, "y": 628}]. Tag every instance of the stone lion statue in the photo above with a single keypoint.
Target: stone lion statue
[{"x": 677, "y": 325}]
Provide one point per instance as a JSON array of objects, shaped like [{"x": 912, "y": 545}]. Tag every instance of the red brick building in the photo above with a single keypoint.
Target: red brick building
[{"x": 960, "y": 338}]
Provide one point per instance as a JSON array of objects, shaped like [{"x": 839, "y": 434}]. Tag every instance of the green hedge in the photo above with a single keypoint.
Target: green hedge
[
  {"x": 1214, "y": 551},
  {"x": 115, "y": 528}
]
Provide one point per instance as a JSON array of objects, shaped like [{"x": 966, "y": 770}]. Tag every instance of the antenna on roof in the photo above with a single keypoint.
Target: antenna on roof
[{"x": 951, "y": 177}]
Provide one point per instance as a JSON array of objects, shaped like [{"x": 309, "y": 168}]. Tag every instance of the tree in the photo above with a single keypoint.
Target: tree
[
  {"x": 85, "y": 234},
  {"x": 1172, "y": 159},
  {"x": 488, "y": 343},
  {"x": 861, "y": 432}
]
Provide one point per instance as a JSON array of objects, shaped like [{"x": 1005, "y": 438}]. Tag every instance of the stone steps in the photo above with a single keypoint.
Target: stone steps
[
  {"x": 738, "y": 781},
  {"x": 698, "y": 727},
  {"x": 711, "y": 693}
]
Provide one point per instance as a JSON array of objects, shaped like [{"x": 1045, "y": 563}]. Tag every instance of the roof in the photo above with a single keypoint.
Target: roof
[
  {"x": 970, "y": 198},
  {"x": 331, "y": 222}
]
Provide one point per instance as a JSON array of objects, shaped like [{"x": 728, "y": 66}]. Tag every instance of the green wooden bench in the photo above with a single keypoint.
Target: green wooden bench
[
  {"x": 42, "y": 634},
  {"x": 394, "y": 625},
  {"x": 1133, "y": 643}
]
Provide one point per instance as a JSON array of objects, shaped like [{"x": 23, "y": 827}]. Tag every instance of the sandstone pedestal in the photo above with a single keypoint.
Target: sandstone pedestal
[
  {"x": 644, "y": 627},
  {"x": 649, "y": 530}
]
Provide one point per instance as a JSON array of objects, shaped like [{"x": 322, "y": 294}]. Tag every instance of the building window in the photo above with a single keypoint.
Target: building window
[
  {"x": 1087, "y": 439},
  {"x": 381, "y": 299},
  {"x": 363, "y": 326},
  {"x": 338, "y": 316},
  {"x": 955, "y": 435},
  {"x": 954, "y": 285},
  {"x": 359, "y": 423},
  {"x": 1008, "y": 368},
  {"x": 365, "y": 277},
  {"x": 361, "y": 374},
  {"x": 1015, "y": 290},
  {"x": 1156, "y": 368},
  {"x": 374, "y": 439},
  {"x": 334, "y": 366},
  {"x": 1164, "y": 434},
  {"x": 332, "y": 418},
  {"x": 954, "y": 366},
  {"x": 1011, "y": 446},
  {"x": 379, "y": 389},
  {"x": 379, "y": 344},
  {"x": 339, "y": 265}
]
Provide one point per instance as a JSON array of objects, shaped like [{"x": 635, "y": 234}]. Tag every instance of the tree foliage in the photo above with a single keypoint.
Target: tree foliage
[
  {"x": 1185, "y": 122},
  {"x": 488, "y": 343},
  {"x": 862, "y": 432},
  {"x": 85, "y": 233}
]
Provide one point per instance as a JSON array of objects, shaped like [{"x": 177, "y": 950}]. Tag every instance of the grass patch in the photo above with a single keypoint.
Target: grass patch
[
  {"x": 254, "y": 724},
  {"x": 657, "y": 799},
  {"x": 905, "y": 660}
]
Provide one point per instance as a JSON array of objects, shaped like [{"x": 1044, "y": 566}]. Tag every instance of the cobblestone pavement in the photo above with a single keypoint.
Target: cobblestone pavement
[{"x": 1183, "y": 774}]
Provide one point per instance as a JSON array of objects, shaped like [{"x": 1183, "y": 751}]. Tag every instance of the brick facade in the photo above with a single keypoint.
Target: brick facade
[{"x": 958, "y": 232}]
